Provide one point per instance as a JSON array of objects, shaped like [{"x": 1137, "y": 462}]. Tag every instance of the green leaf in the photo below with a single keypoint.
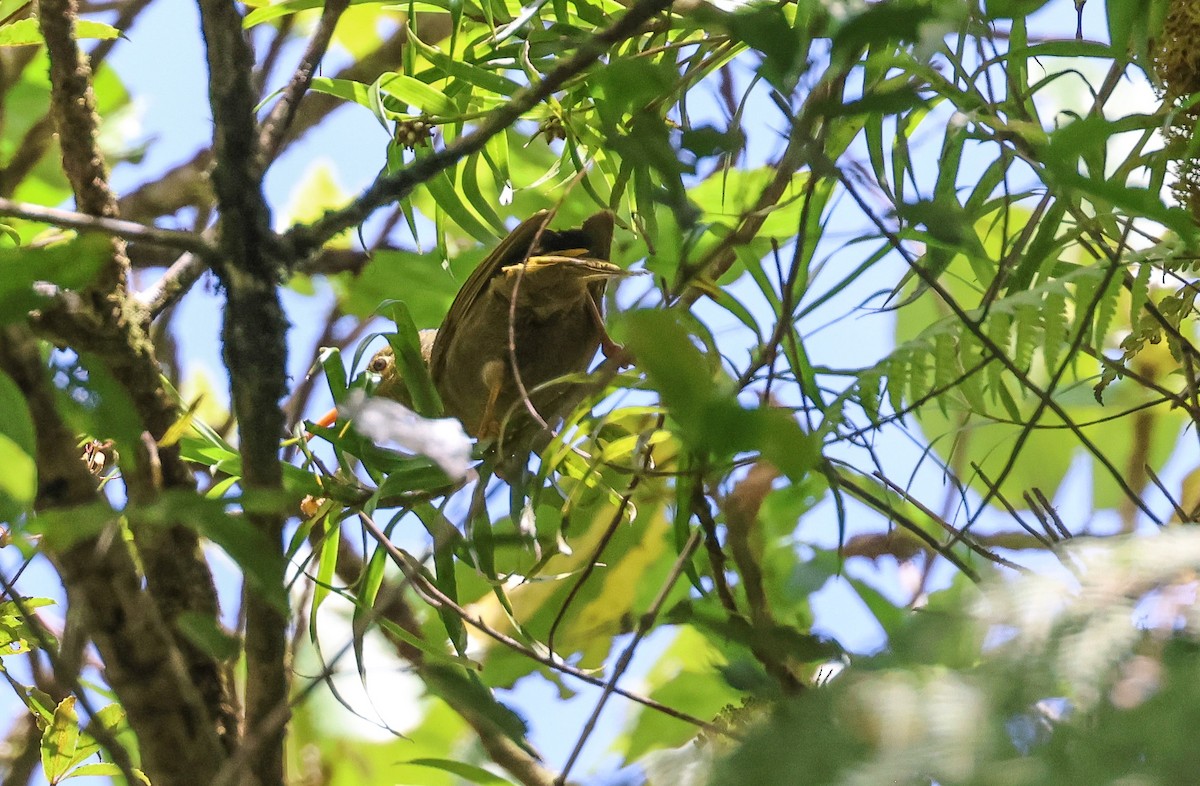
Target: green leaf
[
  {"x": 268, "y": 13},
  {"x": 330, "y": 361},
  {"x": 406, "y": 344},
  {"x": 1009, "y": 9},
  {"x": 97, "y": 769},
  {"x": 17, "y": 636},
  {"x": 628, "y": 85},
  {"x": 416, "y": 474},
  {"x": 463, "y": 689},
  {"x": 18, "y": 481},
  {"x": 25, "y": 32},
  {"x": 702, "y": 401},
  {"x": 62, "y": 528},
  {"x": 346, "y": 89},
  {"x": 884, "y": 23},
  {"x": 766, "y": 30},
  {"x": 448, "y": 197},
  {"x": 676, "y": 367},
  {"x": 467, "y": 72},
  {"x": 70, "y": 265},
  {"x": 60, "y": 741},
  {"x": 784, "y": 641},
  {"x": 258, "y": 556},
  {"x": 428, "y": 100},
  {"x": 467, "y": 772}
]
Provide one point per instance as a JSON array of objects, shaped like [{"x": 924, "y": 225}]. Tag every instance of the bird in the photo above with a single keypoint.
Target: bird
[{"x": 529, "y": 314}]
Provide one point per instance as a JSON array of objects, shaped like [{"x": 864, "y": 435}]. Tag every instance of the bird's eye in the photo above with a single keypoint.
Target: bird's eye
[{"x": 378, "y": 365}]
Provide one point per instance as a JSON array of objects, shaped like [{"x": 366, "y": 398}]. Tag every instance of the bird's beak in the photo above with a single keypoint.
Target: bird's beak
[{"x": 328, "y": 419}]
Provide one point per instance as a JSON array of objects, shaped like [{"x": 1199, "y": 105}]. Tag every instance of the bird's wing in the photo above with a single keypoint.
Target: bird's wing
[
  {"x": 512, "y": 249},
  {"x": 599, "y": 229}
]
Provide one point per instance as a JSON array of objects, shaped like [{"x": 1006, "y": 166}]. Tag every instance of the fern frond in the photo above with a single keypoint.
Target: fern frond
[
  {"x": 1054, "y": 330},
  {"x": 1029, "y": 331},
  {"x": 1106, "y": 309}
]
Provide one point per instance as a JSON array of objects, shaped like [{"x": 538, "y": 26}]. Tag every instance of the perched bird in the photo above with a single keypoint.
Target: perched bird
[{"x": 530, "y": 313}]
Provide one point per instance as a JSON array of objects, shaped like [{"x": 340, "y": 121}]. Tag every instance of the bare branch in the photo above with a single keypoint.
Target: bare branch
[
  {"x": 105, "y": 321},
  {"x": 284, "y": 112},
  {"x": 141, "y": 662},
  {"x": 254, "y": 335},
  {"x": 127, "y": 230}
]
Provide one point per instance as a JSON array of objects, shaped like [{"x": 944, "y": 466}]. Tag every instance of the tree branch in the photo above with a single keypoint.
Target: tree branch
[
  {"x": 106, "y": 321},
  {"x": 141, "y": 662},
  {"x": 255, "y": 348},
  {"x": 326, "y": 262},
  {"x": 127, "y": 230},
  {"x": 73, "y": 107},
  {"x": 283, "y": 114}
]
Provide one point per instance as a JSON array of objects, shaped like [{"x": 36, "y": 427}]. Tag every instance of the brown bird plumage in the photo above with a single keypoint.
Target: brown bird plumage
[
  {"x": 556, "y": 324},
  {"x": 558, "y": 279}
]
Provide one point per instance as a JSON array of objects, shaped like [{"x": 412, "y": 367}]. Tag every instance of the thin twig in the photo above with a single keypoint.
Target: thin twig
[
  {"x": 1053, "y": 514},
  {"x": 435, "y": 597},
  {"x": 1155, "y": 479},
  {"x": 276, "y": 126},
  {"x": 644, "y": 625},
  {"x": 997, "y": 494},
  {"x": 1036, "y": 508},
  {"x": 955, "y": 533},
  {"x": 712, "y": 545}
]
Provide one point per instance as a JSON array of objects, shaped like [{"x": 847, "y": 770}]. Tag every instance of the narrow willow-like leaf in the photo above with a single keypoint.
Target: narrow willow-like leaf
[
  {"x": 326, "y": 565},
  {"x": 482, "y": 203}
]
